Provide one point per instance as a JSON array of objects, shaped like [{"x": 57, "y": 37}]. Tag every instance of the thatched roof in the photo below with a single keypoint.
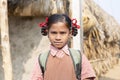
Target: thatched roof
[
  {"x": 102, "y": 39},
  {"x": 38, "y": 7},
  {"x": 106, "y": 22}
]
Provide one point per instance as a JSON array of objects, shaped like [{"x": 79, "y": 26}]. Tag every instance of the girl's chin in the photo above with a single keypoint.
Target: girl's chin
[{"x": 58, "y": 47}]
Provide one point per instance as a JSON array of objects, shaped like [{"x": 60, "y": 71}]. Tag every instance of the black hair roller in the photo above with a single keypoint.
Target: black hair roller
[
  {"x": 44, "y": 31},
  {"x": 74, "y": 31}
]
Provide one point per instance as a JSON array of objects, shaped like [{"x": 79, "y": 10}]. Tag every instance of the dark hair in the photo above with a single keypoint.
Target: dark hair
[{"x": 58, "y": 18}]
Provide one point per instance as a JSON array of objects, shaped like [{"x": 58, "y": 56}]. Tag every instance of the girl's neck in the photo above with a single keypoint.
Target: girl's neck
[{"x": 65, "y": 46}]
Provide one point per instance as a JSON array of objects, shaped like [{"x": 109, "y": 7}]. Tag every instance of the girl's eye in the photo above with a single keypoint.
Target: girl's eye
[
  {"x": 53, "y": 32},
  {"x": 62, "y": 32}
]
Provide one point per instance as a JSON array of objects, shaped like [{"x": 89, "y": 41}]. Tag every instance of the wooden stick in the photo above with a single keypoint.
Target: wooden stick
[{"x": 5, "y": 45}]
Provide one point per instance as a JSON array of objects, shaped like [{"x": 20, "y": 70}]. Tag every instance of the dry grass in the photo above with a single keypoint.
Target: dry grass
[{"x": 101, "y": 39}]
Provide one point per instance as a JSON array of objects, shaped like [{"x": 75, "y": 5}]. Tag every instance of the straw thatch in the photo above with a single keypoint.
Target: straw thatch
[
  {"x": 38, "y": 7},
  {"x": 101, "y": 37}
]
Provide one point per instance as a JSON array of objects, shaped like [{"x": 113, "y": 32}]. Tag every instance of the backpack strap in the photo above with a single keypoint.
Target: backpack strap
[
  {"x": 77, "y": 59},
  {"x": 42, "y": 59}
]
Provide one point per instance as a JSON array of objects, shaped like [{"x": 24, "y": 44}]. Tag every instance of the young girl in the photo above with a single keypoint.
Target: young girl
[{"x": 59, "y": 64}]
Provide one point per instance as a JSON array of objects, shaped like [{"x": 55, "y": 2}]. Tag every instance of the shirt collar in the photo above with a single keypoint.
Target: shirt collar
[{"x": 54, "y": 50}]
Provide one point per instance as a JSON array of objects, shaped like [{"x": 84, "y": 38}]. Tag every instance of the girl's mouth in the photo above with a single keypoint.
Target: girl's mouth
[{"x": 57, "y": 42}]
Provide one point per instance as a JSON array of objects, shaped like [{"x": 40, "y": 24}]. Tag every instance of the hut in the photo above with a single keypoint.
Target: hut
[{"x": 101, "y": 39}]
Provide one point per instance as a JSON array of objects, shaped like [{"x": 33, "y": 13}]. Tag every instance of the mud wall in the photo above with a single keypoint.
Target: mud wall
[{"x": 26, "y": 44}]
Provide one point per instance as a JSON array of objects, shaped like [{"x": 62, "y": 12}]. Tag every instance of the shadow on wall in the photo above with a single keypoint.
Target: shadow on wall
[{"x": 25, "y": 38}]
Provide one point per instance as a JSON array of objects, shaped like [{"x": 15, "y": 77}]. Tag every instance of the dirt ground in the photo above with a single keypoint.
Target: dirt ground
[{"x": 113, "y": 74}]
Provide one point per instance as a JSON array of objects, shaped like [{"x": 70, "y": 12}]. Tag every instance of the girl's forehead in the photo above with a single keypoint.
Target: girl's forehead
[{"x": 59, "y": 25}]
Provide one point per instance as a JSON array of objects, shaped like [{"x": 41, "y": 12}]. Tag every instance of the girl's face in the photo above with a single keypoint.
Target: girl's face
[{"x": 59, "y": 34}]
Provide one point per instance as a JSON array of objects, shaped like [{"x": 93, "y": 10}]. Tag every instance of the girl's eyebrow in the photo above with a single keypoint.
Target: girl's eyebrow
[
  {"x": 63, "y": 32},
  {"x": 54, "y": 32}
]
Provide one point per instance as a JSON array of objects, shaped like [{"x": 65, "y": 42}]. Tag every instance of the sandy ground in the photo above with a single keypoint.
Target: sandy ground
[{"x": 113, "y": 74}]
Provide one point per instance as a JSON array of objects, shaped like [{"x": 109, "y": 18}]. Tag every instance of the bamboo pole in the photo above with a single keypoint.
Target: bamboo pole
[
  {"x": 5, "y": 45},
  {"x": 77, "y": 13}
]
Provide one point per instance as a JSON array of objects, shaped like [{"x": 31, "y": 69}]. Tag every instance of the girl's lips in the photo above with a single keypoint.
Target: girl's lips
[{"x": 57, "y": 42}]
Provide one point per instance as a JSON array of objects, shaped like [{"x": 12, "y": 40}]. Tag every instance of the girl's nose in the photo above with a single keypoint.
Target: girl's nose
[{"x": 58, "y": 37}]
